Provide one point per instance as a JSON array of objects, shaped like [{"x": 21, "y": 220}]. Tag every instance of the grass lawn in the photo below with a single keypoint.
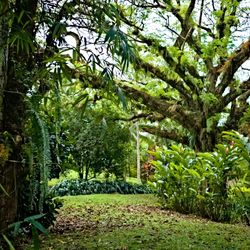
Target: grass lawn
[{"x": 136, "y": 222}]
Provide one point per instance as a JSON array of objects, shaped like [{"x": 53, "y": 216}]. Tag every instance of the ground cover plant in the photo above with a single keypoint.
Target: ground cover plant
[
  {"x": 77, "y": 187},
  {"x": 114, "y": 221}
]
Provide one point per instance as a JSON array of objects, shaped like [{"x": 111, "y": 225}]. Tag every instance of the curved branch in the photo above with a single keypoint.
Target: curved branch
[
  {"x": 150, "y": 116},
  {"x": 233, "y": 120},
  {"x": 234, "y": 93},
  {"x": 171, "y": 135},
  {"x": 163, "y": 51},
  {"x": 232, "y": 64},
  {"x": 174, "y": 111},
  {"x": 176, "y": 84}
]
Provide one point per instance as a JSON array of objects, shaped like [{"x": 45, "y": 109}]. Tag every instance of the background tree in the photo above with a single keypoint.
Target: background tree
[
  {"x": 100, "y": 143},
  {"x": 189, "y": 67}
]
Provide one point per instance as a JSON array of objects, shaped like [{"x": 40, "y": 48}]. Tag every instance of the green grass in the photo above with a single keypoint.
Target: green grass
[
  {"x": 67, "y": 175},
  {"x": 71, "y": 174},
  {"x": 136, "y": 222}
]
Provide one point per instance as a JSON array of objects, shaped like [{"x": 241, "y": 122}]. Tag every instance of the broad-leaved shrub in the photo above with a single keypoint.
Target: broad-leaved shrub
[{"x": 210, "y": 184}]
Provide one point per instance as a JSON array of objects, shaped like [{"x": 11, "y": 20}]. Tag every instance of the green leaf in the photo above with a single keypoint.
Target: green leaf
[
  {"x": 83, "y": 107},
  {"x": 11, "y": 247},
  {"x": 35, "y": 238},
  {"x": 79, "y": 99},
  {"x": 34, "y": 217},
  {"x": 20, "y": 16},
  {"x": 193, "y": 190},
  {"x": 39, "y": 226},
  {"x": 75, "y": 55},
  {"x": 110, "y": 36},
  {"x": 16, "y": 226},
  {"x": 194, "y": 173},
  {"x": 59, "y": 29},
  {"x": 122, "y": 98}
]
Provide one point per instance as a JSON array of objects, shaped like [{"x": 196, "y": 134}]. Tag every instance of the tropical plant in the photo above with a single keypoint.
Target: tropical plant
[
  {"x": 208, "y": 184},
  {"x": 32, "y": 224}
]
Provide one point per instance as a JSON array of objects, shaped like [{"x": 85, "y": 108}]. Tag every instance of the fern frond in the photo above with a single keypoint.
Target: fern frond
[{"x": 41, "y": 149}]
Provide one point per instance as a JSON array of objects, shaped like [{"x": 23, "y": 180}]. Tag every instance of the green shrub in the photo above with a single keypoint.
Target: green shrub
[
  {"x": 79, "y": 187},
  {"x": 206, "y": 184}
]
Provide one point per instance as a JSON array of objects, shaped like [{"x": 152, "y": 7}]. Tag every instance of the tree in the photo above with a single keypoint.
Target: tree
[
  {"x": 189, "y": 65},
  {"x": 100, "y": 143}
]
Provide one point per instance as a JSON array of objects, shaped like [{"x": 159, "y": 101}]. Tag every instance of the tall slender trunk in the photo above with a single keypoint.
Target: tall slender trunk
[
  {"x": 138, "y": 153},
  {"x": 87, "y": 172}
]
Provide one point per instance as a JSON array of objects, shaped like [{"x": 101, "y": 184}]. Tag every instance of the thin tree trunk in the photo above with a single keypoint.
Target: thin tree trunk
[
  {"x": 138, "y": 153},
  {"x": 86, "y": 172}
]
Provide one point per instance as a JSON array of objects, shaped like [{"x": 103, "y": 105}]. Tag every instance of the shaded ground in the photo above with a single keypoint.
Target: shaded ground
[{"x": 136, "y": 222}]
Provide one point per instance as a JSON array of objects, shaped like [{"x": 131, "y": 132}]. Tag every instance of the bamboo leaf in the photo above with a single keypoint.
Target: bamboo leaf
[
  {"x": 20, "y": 16},
  {"x": 122, "y": 98},
  {"x": 79, "y": 99},
  {"x": 110, "y": 36},
  {"x": 84, "y": 106}
]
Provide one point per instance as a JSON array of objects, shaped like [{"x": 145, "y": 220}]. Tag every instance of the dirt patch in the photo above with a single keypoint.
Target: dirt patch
[{"x": 107, "y": 218}]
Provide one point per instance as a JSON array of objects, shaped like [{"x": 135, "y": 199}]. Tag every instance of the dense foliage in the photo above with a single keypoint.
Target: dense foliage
[
  {"x": 99, "y": 144},
  {"x": 180, "y": 66},
  {"x": 211, "y": 184},
  {"x": 77, "y": 187}
]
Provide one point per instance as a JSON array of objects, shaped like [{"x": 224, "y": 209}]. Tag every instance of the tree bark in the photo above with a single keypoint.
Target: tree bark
[
  {"x": 8, "y": 197},
  {"x": 11, "y": 170}
]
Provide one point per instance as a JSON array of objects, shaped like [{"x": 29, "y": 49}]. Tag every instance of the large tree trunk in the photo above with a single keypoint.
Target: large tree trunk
[
  {"x": 11, "y": 142},
  {"x": 8, "y": 196},
  {"x": 11, "y": 169},
  {"x": 204, "y": 141}
]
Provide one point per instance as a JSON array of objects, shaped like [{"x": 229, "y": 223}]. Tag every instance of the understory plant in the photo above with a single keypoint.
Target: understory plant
[
  {"x": 32, "y": 225},
  {"x": 211, "y": 184},
  {"x": 81, "y": 187}
]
